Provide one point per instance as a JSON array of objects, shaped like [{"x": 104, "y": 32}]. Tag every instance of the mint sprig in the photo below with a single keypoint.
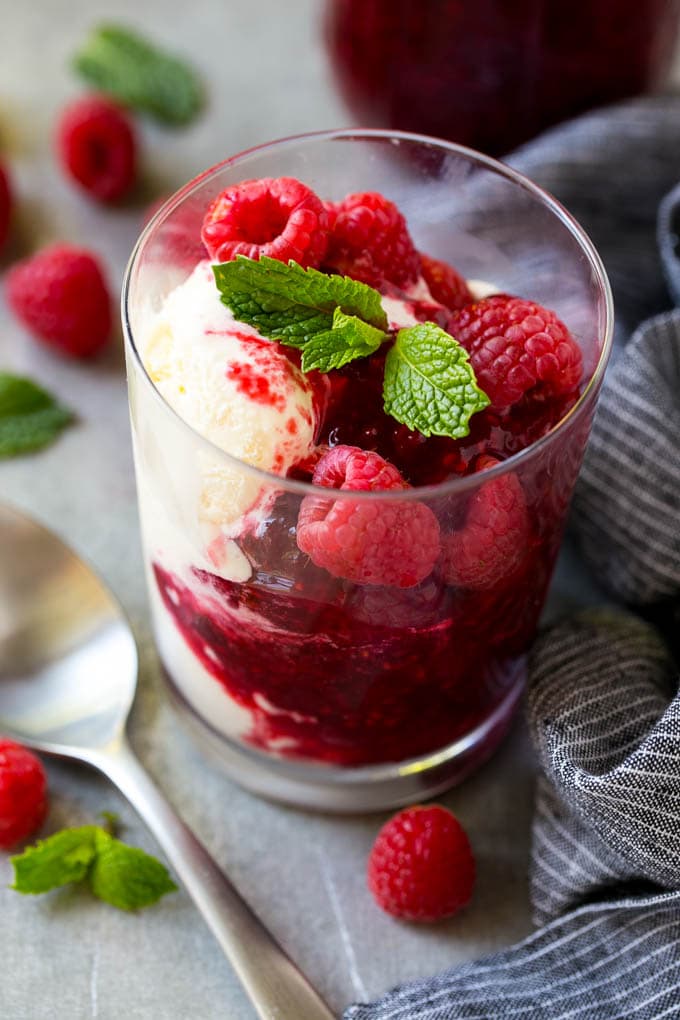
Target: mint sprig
[
  {"x": 125, "y": 65},
  {"x": 429, "y": 384},
  {"x": 348, "y": 339},
  {"x": 30, "y": 417},
  {"x": 63, "y": 858},
  {"x": 288, "y": 303},
  {"x": 124, "y": 876}
]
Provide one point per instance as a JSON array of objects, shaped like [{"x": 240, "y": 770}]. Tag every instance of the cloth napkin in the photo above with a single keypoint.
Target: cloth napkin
[{"x": 603, "y": 706}]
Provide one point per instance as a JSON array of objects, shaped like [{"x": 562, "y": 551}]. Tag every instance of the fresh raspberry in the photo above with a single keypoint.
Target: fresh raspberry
[
  {"x": 96, "y": 146},
  {"x": 369, "y": 241},
  {"x": 275, "y": 216},
  {"x": 389, "y": 543},
  {"x": 349, "y": 467},
  {"x": 5, "y": 205},
  {"x": 445, "y": 283},
  {"x": 61, "y": 296},
  {"x": 421, "y": 866},
  {"x": 23, "y": 794},
  {"x": 516, "y": 345},
  {"x": 332, "y": 210},
  {"x": 424, "y": 605},
  {"x": 491, "y": 545}
]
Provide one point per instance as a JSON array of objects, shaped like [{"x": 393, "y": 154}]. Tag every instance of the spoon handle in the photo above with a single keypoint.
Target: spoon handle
[{"x": 277, "y": 989}]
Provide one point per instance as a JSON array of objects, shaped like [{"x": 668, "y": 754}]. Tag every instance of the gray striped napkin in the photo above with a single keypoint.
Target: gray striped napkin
[{"x": 603, "y": 706}]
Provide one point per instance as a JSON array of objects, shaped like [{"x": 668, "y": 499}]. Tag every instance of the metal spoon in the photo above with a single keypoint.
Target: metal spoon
[{"x": 68, "y": 673}]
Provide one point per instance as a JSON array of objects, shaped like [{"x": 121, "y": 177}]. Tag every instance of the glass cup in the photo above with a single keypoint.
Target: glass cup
[
  {"x": 310, "y": 688},
  {"x": 492, "y": 74}
]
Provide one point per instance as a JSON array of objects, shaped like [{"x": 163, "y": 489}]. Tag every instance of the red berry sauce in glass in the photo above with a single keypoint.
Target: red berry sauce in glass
[{"x": 348, "y": 674}]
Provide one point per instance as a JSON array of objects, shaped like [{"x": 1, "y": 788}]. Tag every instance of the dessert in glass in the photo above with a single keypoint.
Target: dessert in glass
[
  {"x": 362, "y": 371},
  {"x": 492, "y": 74}
]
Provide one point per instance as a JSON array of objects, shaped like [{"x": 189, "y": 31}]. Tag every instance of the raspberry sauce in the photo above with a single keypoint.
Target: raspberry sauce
[
  {"x": 351, "y": 674},
  {"x": 357, "y": 674}
]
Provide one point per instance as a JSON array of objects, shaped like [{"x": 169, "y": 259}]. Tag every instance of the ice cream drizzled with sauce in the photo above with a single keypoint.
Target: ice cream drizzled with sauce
[{"x": 237, "y": 389}]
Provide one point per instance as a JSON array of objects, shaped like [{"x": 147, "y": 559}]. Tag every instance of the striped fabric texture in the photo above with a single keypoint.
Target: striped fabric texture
[
  {"x": 627, "y": 505},
  {"x": 603, "y": 706}
]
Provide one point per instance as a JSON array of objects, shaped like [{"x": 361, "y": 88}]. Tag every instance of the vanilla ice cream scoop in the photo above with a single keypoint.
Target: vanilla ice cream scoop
[{"x": 232, "y": 386}]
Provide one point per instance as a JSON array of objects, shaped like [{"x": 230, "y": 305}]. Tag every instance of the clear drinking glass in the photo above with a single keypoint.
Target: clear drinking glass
[{"x": 310, "y": 688}]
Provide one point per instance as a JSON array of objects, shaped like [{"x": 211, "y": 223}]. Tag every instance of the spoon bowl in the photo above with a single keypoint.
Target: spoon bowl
[
  {"x": 68, "y": 674},
  {"x": 68, "y": 661}
]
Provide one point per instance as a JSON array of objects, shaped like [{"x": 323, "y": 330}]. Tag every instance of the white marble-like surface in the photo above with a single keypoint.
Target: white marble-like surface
[{"x": 66, "y": 955}]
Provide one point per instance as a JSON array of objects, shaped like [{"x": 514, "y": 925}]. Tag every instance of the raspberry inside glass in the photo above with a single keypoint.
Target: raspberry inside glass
[
  {"x": 370, "y": 623},
  {"x": 277, "y": 217}
]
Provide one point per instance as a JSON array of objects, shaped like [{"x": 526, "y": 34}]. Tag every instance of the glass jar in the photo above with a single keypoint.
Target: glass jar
[{"x": 493, "y": 73}]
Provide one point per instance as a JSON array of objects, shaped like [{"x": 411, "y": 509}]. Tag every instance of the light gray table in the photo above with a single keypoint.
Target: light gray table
[{"x": 67, "y": 956}]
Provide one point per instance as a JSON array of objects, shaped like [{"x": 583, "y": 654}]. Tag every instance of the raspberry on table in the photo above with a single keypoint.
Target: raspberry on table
[
  {"x": 23, "y": 794},
  {"x": 381, "y": 542},
  {"x": 492, "y": 543},
  {"x": 516, "y": 345},
  {"x": 275, "y": 216},
  {"x": 61, "y": 296},
  {"x": 5, "y": 205},
  {"x": 421, "y": 866},
  {"x": 446, "y": 285},
  {"x": 96, "y": 145},
  {"x": 369, "y": 241}
]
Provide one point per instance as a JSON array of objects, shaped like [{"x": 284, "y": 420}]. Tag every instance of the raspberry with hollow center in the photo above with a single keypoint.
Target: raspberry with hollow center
[
  {"x": 96, "y": 145},
  {"x": 23, "y": 794},
  {"x": 350, "y": 467},
  {"x": 5, "y": 205},
  {"x": 61, "y": 296},
  {"x": 446, "y": 285},
  {"x": 279, "y": 217},
  {"x": 369, "y": 241},
  {"x": 515, "y": 346},
  {"x": 421, "y": 866},
  {"x": 492, "y": 543},
  {"x": 377, "y": 542}
]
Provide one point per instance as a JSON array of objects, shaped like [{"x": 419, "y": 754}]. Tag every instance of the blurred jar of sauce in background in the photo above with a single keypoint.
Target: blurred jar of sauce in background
[{"x": 493, "y": 73}]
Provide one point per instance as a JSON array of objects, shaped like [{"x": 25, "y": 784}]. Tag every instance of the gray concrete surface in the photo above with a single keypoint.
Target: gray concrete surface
[{"x": 66, "y": 956}]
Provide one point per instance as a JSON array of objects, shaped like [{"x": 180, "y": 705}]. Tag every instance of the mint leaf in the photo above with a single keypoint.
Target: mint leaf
[
  {"x": 128, "y": 67},
  {"x": 58, "y": 860},
  {"x": 430, "y": 385},
  {"x": 350, "y": 338},
  {"x": 292, "y": 304},
  {"x": 30, "y": 417},
  {"x": 125, "y": 876}
]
